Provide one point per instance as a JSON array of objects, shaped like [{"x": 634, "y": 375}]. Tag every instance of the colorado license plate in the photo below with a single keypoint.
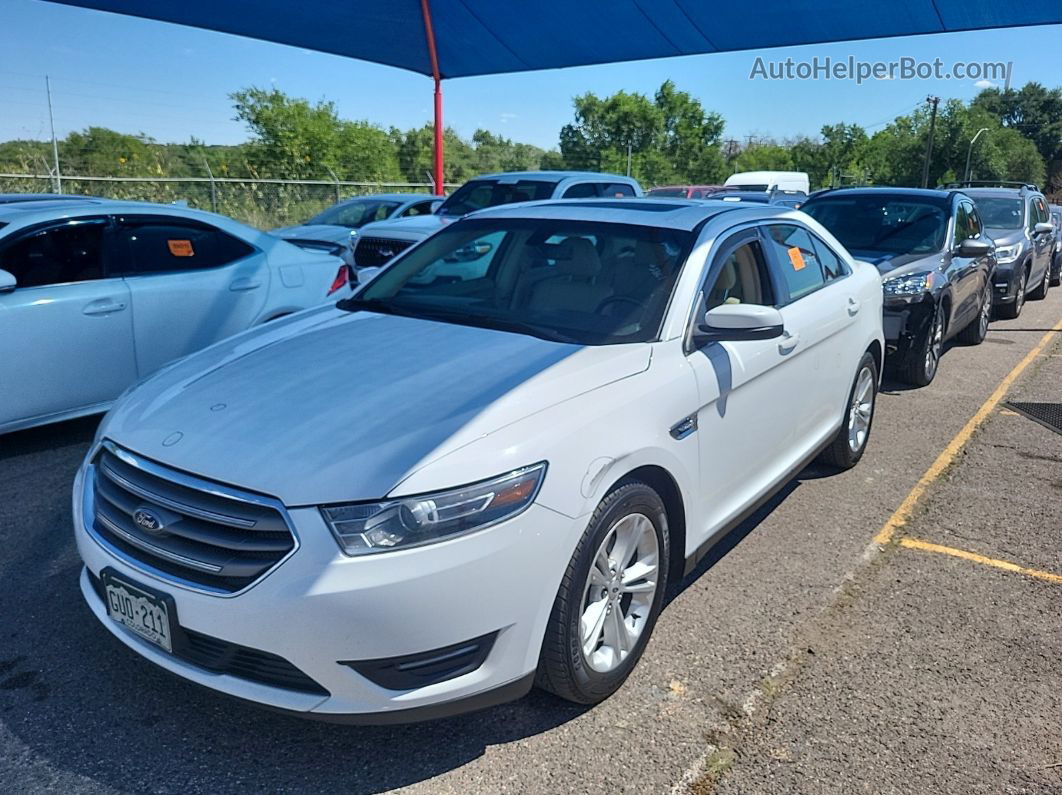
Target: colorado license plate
[{"x": 146, "y": 614}]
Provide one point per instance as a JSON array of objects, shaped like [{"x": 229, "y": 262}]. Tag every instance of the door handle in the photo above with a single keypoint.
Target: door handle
[
  {"x": 853, "y": 307},
  {"x": 244, "y": 283},
  {"x": 103, "y": 307},
  {"x": 788, "y": 342}
]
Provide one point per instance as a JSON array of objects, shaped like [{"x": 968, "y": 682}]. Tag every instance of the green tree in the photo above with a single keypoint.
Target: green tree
[
  {"x": 1035, "y": 112},
  {"x": 669, "y": 138}
]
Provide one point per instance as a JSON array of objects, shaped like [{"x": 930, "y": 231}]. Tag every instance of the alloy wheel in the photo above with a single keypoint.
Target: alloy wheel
[
  {"x": 619, "y": 591},
  {"x": 1023, "y": 280},
  {"x": 861, "y": 411},
  {"x": 986, "y": 312},
  {"x": 936, "y": 344}
]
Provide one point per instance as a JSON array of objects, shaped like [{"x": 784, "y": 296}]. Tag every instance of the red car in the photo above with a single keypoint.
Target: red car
[{"x": 685, "y": 191}]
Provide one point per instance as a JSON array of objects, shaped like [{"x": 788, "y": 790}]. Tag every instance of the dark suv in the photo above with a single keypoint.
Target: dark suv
[
  {"x": 1056, "y": 257},
  {"x": 1016, "y": 218},
  {"x": 935, "y": 261}
]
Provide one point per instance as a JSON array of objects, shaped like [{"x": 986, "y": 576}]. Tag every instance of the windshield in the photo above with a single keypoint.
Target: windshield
[
  {"x": 680, "y": 192},
  {"x": 480, "y": 193},
  {"x": 891, "y": 225},
  {"x": 1000, "y": 213},
  {"x": 355, "y": 214},
  {"x": 580, "y": 282}
]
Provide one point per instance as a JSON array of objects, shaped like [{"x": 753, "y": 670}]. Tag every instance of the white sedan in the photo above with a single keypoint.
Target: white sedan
[
  {"x": 487, "y": 483},
  {"x": 96, "y": 294}
]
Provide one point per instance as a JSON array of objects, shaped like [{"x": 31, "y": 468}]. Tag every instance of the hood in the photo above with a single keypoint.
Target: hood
[
  {"x": 1005, "y": 237},
  {"x": 328, "y": 406},
  {"x": 416, "y": 228},
  {"x": 897, "y": 264},
  {"x": 329, "y": 232}
]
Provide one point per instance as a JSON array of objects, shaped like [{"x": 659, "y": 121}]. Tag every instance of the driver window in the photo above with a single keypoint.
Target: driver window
[
  {"x": 70, "y": 252},
  {"x": 742, "y": 279}
]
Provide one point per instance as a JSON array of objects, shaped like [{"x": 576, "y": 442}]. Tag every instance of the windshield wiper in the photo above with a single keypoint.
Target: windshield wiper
[{"x": 355, "y": 304}]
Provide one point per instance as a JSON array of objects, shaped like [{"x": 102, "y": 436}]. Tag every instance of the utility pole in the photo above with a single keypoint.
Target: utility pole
[
  {"x": 966, "y": 172},
  {"x": 934, "y": 101},
  {"x": 628, "y": 158},
  {"x": 213, "y": 186},
  {"x": 55, "y": 145}
]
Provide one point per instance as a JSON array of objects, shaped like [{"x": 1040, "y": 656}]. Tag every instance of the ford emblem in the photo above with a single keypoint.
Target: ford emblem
[{"x": 148, "y": 520}]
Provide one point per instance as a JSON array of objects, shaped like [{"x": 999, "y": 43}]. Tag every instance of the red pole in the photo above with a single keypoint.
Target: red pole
[
  {"x": 438, "y": 139},
  {"x": 429, "y": 33}
]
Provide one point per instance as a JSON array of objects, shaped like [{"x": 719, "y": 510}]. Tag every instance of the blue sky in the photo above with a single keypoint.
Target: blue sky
[{"x": 172, "y": 82}]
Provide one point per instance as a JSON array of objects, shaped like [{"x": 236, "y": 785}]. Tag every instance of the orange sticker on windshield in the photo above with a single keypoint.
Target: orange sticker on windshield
[
  {"x": 181, "y": 248},
  {"x": 796, "y": 258}
]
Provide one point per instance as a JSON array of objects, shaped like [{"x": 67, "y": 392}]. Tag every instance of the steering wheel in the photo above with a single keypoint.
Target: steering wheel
[{"x": 619, "y": 299}]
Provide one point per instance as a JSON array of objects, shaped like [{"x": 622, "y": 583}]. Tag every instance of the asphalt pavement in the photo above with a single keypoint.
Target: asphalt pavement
[{"x": 799, "y": 657}]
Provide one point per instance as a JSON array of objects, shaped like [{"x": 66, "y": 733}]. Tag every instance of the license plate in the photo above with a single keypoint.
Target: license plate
[{"x": 132, "y": 606}]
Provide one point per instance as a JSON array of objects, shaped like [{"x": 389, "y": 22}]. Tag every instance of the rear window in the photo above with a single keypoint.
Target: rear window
[{"x": 480, "y": 193}]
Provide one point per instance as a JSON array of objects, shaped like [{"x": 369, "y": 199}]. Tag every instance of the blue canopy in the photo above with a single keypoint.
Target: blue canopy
[{"x": 479, "y": 37}]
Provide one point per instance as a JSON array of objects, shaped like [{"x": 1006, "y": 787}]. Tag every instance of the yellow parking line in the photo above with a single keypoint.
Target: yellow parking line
[
  {"x": 1006, "y": 565},
  {"x": 903, "y": 513}
]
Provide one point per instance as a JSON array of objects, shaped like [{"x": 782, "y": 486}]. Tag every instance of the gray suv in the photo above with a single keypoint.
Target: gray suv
[{"x": 1016, "y": 217}]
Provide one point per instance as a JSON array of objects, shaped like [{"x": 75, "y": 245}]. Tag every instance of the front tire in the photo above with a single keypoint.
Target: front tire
[
  {"x": 610, "y": 597},
  {"x": 1013, "y": 309},
  {"x": 920, "y": 364},
  {"x": 1040, "y": 293},
  {"x": 851, "y": 440}
]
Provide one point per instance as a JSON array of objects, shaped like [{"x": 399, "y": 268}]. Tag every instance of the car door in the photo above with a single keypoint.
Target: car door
[
  {"x": 748, "y": 391},
  {"x": 963, "y": 273},
  {"x": 1042, "y": 242},
  {"x": 820, "y": 309},
  {"x": 191, "y": 284},
  {"x": 66, "y": 337}
]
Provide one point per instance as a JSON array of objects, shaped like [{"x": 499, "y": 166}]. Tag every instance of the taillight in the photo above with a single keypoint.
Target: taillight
[{"x": 343, "y": 278}]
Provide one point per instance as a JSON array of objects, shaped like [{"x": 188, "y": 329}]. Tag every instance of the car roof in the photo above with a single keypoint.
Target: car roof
[
  {"x": 1014, "y": 193},
  {"x": 404, "y": 197},
  {"x": 32, "y": 212},
  {"x": 7, "y": 198},
  {"x": 681, "y": 214},
  {"x": 553, "y": 175},
  {"x": 882, "y": 190}
]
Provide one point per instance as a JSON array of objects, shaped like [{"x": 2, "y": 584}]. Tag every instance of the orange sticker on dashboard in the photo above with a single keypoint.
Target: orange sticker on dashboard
[
  {"x": 796, "y": 258},
  {"x": 181, "y": 248}
]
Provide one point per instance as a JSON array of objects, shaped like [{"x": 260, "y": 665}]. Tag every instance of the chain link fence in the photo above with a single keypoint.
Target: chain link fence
[{"x": 262, "y": 203}]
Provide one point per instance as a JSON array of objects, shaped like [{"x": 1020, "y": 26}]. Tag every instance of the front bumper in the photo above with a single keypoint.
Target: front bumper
[
  {"x": 319, "y": 610},
  {"x": 1004, "y": 284},
  {"x": 905, "y": 321}
]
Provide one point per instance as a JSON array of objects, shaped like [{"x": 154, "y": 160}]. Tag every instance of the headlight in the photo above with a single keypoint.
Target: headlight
[
  {"x": 369, "y": 527},
  {"x": 1005, "y": 254},
  {"x": 912, "y": 284}
]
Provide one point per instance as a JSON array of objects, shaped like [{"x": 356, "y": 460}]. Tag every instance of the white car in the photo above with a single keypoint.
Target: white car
[
  {"x": 486, "y": 484},
  {"x": 379, "y": 242},
  {"x": 96, "y": 294}
]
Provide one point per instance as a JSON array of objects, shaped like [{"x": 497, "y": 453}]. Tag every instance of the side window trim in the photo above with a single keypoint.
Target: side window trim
[
  {"x": 730, "y": 244},
  {"x": 846, "y": 270},
  {"x": 776, "y": 266},
  {"x": 106, "y": 221},
  {"x": 128, "y": 271}
]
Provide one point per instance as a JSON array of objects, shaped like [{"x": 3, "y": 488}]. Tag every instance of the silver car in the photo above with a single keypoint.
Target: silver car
[{"x": 334, "y": 231}]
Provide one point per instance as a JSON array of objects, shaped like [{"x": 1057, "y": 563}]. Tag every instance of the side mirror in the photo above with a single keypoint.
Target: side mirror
[
  {"x": 973, "y": 248},
  {"x": 366, "y": 275},
  {"x": 1043, "y": 228},
  {"x": 740, "y": 322},
  {"x": 7, "y": 282}
]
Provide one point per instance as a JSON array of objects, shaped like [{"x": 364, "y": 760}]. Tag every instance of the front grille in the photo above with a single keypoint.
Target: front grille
[
  {"x": 221, "y": 657},
  {"x": 372, "y": 252},
  {"x": 219, "y": 542}
]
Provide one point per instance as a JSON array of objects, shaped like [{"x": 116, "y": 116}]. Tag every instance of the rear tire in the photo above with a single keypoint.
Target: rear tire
[
  {"x": 851, "y": 440},
  {"x": 1056, "y": 270},
  {"x": 977, "y": 329},
  {"x": 1040, "y": 293},
  {"x": 583, "y": 658},
  {"x": 920, "y": 364}
]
